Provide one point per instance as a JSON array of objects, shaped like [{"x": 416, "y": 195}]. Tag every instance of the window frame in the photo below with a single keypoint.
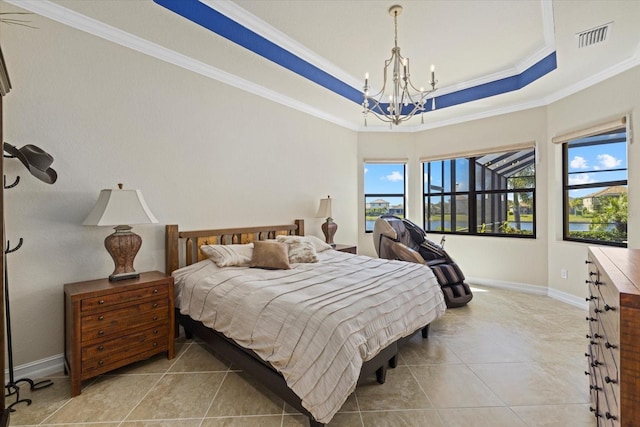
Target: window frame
[
  {"x": 567, "y": 188},
  {"x": 473, "y": 193},
  {"x": 383, "y": 195}
]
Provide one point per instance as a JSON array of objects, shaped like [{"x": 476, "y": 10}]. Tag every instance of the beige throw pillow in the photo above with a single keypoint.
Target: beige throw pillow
[
  {"x": 229, "y": 255},
  {"x": 271, "y": 255},
  {"x": 300, "y": 249}
]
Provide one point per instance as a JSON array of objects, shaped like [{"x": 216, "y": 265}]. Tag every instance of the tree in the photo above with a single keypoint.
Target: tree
[
  {"x": 524, "y": 178},
  {"x": 613, "y": 210}
]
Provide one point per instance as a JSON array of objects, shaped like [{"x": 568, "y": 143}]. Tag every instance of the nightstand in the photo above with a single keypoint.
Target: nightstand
[
  {"x": 112, "y": 324},
  {"x": 352, "y": 249}
]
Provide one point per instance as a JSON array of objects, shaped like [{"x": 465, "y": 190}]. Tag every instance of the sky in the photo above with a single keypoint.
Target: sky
[
  {"x": 596, "y": 163},
  {"x": 384, "y": 178}
]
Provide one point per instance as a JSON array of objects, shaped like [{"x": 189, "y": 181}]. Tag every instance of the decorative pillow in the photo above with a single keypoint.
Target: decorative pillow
[
  {"x": 300, "y": 249},
  {"x": 229, "y": 255},
  {"x": 271, "y": 255},
  {"x": 317, "y": 243}
]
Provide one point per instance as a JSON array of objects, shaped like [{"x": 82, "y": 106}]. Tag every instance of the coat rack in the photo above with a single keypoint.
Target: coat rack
[{"x": 38, "y": 162}]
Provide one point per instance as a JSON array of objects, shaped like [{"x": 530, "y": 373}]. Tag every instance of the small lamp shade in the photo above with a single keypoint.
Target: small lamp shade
[
  {"x": 324, "y": 211},
  {"x": 329, "y": 227},
  {"x": 120, "y": 208}
]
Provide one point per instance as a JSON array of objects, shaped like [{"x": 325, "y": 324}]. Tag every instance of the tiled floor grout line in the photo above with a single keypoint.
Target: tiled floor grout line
[{"x": 184, "y": 350}]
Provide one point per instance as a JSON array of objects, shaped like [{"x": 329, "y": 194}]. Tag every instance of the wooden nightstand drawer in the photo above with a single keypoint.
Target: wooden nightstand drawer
[
  {"x": 125, "y": 346},
  {"x": 112, "y": 324},
  {"x": 104, "y": 324},
  {"x": 123, "y": 297}
]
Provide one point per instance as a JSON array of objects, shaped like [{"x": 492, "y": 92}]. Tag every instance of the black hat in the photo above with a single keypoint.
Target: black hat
[{"x": 36, "y": 160}]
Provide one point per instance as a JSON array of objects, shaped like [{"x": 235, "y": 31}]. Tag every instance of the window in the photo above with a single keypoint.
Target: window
[
  {"x": 595, "y": 188},
  {"x": 491, "y": 194},
  {"x": 384, "y": 191}
]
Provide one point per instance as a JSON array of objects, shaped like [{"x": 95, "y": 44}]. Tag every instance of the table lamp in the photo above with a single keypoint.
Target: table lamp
[
  {"x": 118, "y": 207},
  {"x": 329, "y": 227}
]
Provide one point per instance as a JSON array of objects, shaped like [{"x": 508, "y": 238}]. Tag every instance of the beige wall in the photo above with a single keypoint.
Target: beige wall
[
  {"x": 204, "y": 155},
  {"x": 509, "y": 260},
  {"x": 605, "y": 101}
]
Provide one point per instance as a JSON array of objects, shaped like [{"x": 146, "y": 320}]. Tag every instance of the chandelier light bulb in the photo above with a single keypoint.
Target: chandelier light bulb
[{"x": 399, "y": 90}]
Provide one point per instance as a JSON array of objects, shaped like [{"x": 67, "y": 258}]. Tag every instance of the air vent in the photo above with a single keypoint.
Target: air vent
[{"x": 594, "y": 35}]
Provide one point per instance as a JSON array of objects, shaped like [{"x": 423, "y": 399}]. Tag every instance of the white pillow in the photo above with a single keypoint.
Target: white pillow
[
  {"x": 229, "y": 255},
  {"x": 300, "y": 249}
]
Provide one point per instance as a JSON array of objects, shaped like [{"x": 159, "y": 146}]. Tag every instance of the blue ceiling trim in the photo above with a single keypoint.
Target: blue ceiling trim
[{"x": 213, "y": 20}]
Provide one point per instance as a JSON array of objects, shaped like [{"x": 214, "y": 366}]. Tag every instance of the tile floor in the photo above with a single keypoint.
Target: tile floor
[{"x": 507, "y": 359}]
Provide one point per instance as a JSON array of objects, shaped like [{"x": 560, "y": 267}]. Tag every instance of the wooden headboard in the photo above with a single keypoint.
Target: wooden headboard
[{"x": 192, "y": 240}]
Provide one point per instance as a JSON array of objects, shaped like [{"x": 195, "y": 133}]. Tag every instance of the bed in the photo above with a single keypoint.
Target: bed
[{"x": 307, "y": 331}]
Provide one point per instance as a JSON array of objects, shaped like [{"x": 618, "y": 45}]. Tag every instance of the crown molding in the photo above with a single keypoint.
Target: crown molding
[{"x": 89, "y": 25}]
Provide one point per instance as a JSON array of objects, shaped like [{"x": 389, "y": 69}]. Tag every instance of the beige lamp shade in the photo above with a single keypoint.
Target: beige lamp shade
[
  {"x": 324, "y": 211},
  {"x": 119, "y": 207}
]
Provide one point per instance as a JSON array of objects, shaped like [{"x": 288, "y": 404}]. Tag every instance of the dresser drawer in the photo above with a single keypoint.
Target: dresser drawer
[
  {"x": 105, "y": 355},
  {"x": 159, "y": 290},
  {"x": 118, "y": 321}
]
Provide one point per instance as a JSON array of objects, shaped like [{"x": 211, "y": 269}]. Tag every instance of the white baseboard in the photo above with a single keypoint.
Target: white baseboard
[
  {"x": 531, "y": 289},
  {"x": 55, "y": 364},
  {"x": 512, "y": 286}
]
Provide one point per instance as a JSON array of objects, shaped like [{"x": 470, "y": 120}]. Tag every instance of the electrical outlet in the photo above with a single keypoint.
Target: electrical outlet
[{"x": 564, "y": 273}]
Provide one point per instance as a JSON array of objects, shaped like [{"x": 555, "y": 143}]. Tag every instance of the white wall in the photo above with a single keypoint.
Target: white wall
[{"x": 204, "y": 155}]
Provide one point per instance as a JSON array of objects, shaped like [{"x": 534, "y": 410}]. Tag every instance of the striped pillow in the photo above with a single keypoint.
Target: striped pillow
[{"x": 229, "y": 255}]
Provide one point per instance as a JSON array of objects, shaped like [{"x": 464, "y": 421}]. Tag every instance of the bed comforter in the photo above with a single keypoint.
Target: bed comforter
[{"x": 315, "y": 323}]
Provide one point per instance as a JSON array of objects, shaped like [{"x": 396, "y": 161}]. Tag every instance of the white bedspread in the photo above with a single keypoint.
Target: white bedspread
[{"x": 316, "y": 323}]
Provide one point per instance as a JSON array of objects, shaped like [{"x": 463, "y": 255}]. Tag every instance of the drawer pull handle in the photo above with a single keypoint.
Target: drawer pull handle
[
  {"x": 101, "y": 318},
  {"x": 155, "y": 332},
  {"x": 609, "y": 380},
  {"x": 588, "y": 262},
  {"x": 609, "y": 345},
  {"x": 101, "y": 302},
  {"x": 591, "y": 319},
  {"x": 608, "y": 307},
  {"x": 597, "y": 336},
  {"x": 155, "y": 305},
  {"x": 155, "y": 344},
  {"x": 595, "y": 387},
  {"x": 596, "y": 363},
  {"x": 587, "y": 373},
  {"x": 590, "y": 297},
  {"x": 101, "y": 362},
  {"x": 598, "y": 283},
  {"x": 100, "y": 347},
  {"x": 591, "y": 273},
  {"x": 610, "y": 417},
  {"x": 155, "y": 291},
  {"x": 595, "y": 411},
  {"x": 597, "y": 310},
  {"x": 155, "y": 317},
  {"x": 100, "y": 332},
  {"x": 588, "y": 282}
]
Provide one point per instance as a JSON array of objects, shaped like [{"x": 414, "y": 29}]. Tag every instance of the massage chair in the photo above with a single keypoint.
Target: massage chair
[{"x": 396, "y": 238}]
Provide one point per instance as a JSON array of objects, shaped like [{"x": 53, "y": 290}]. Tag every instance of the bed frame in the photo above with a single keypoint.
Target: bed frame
[{"x": 186, "y": 244}]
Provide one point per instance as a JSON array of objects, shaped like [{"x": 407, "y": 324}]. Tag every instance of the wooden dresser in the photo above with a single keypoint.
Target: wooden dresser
[
  {"x": 112, "y": 324},
  {"x": 613, "y": 352}
]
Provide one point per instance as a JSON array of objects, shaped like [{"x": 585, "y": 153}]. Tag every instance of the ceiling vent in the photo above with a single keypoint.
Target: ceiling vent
[{"x": 594, "y": 35}]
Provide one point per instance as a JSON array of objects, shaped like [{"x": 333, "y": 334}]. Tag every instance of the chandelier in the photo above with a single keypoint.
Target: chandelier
[{"x": 403, "y": 100}]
